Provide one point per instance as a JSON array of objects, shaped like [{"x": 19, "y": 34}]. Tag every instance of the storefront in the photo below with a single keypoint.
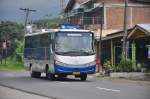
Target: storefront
[{"x": 139, "y": 39}]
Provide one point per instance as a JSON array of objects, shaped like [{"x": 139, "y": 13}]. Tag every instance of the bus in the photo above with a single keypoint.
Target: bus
[{"x": 60, "y": 52}]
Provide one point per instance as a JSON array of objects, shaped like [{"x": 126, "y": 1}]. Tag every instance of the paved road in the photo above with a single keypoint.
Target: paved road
[
  {"x": 8, "y": 93},
  {"x": 73, "y": 88}
]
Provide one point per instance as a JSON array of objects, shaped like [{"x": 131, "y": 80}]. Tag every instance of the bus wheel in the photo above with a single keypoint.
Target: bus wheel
[
  {"x": 34, "y": 74},
  {"x": 50, "y": 76},
  {"x": 83, "y": 77}
]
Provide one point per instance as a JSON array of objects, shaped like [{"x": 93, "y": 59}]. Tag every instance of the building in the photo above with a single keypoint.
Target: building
[
  {"x": 89, "y": 13},
  {"x": 139, "y": 39},
  {"x": 138, "y": 46}
]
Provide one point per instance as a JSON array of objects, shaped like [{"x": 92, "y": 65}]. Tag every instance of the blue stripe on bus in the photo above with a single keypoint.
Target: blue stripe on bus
[{"x": 69, "y": 70}]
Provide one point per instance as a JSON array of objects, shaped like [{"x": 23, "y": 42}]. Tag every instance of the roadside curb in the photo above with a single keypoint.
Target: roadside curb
[
  {"x": 132, "y": 75},
  {"x": 136, "y": 76}
]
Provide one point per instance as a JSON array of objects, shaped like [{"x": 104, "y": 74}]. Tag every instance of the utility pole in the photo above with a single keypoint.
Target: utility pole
[
  {"x": 100, "y": 38},
  {"x": 27, "y": 10},
  {"x": 62, "y": 4},
  {"x": 124, "y": 47}
]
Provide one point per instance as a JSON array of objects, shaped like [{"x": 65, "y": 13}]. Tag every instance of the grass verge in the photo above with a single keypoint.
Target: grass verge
[{"x": 11, "y": 65}]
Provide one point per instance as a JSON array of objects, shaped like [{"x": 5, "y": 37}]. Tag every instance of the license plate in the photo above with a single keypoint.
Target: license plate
[{"x": 76, "y": 73}]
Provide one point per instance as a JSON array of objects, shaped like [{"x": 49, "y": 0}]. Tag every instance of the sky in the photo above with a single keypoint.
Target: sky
[{"x": 9, "y": 9}]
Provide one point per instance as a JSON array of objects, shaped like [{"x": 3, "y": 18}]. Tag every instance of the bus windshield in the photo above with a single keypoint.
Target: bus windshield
[{"x": 75, "y": 43}]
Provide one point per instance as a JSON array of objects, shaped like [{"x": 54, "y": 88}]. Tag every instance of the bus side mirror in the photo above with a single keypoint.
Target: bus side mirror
[{"x": 51, "y": 49}]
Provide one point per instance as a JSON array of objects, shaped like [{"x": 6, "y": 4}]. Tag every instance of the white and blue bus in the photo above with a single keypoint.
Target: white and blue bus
[{"x": 60, "y": 52}]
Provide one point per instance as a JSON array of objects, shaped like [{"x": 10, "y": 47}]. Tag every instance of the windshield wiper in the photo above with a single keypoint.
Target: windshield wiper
[
  {"x": 77, "y": 52},
  {"x": 86, "y": 51},
  {"x": 66, "y": 52}
]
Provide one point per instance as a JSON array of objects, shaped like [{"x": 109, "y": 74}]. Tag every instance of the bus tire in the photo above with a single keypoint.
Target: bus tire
[
  {"x": 83, "y": 77},
  {"x": 34, "y": 74},
  {"x": 49, "y": 75}
]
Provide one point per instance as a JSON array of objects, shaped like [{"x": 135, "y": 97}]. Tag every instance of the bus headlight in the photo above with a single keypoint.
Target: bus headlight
[
  {"x": 91, "y": 63},
  {"x": 60, "y": 63}
]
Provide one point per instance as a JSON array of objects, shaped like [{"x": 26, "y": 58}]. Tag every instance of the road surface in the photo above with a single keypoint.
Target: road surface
[
  {"x": 74, "y": 88},
  {"x": 8, "y": 93}
]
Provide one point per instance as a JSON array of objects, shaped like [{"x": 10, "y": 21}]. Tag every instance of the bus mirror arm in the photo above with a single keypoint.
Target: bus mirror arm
[{"x": 51, "y": 49}]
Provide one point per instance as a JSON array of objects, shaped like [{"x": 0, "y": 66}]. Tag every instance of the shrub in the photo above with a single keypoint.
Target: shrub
[
  {"x": 19, "y": 57},
  {"x": 11, "y": 65},
  {"x": 125, "y": 65},
  {"x": 19, "y": 51}
]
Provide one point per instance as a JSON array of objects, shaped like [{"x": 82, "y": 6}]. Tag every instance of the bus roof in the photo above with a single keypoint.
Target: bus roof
[{"x": 56, "y": 30}]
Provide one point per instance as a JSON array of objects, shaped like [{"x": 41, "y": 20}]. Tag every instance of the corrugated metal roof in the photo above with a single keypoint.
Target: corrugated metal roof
[
  {"x": 146, "y": 27},
  {"x": 115, "y": 35},
  {"x": 85, "y": 1},
  {"x": 143, "y": 0},
  {"x": 82, "y": 1},
  {"x": 139, "y": 3}
]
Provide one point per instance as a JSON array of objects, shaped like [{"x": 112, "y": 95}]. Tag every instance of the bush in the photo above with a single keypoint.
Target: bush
[
  {"x": 19, "y": 57},
  {"x": 19, "y": 51},
  {"x": 125, "y": 65},
  {"x": 11, "y": 65},
  {"x": 107, "y": 63}
]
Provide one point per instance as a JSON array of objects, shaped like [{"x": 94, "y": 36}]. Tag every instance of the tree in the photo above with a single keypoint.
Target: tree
[
  {"x": 10, "y": 32},
  {"x": 48, "y": 23}
]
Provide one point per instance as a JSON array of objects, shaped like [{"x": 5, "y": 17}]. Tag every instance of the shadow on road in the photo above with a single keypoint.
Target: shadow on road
[
  {"x": 24, "y": 77},
  {"x": 65, "y": 79}
]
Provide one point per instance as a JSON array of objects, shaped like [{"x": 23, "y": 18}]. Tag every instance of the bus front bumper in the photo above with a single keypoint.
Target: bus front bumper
[{"x": 73, "y": 70}]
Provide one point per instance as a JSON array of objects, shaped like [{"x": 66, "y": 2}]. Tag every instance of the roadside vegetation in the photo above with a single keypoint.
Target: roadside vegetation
[
  {"x": 48, "y": 23},
  {"x": 14, "y": 61},
  {"x": 126, "y": 65},
  {"x": 11, "y": 64},
  {"x": 11, "y": 58}
]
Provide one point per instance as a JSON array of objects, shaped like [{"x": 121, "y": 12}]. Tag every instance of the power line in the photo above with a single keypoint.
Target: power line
[
  {"x": 62, "y": 4},
  {"x": 27, "y": 10}
]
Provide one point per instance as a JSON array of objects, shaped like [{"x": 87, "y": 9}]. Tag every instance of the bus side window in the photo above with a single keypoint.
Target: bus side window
[
  {"x": 36, "y": 41},
  {"x": 27, "y": 42},
  {"x": 49, "y": 38},
  {"x": 44, "y": 40},
  {"x": 30, "y": 42}
]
